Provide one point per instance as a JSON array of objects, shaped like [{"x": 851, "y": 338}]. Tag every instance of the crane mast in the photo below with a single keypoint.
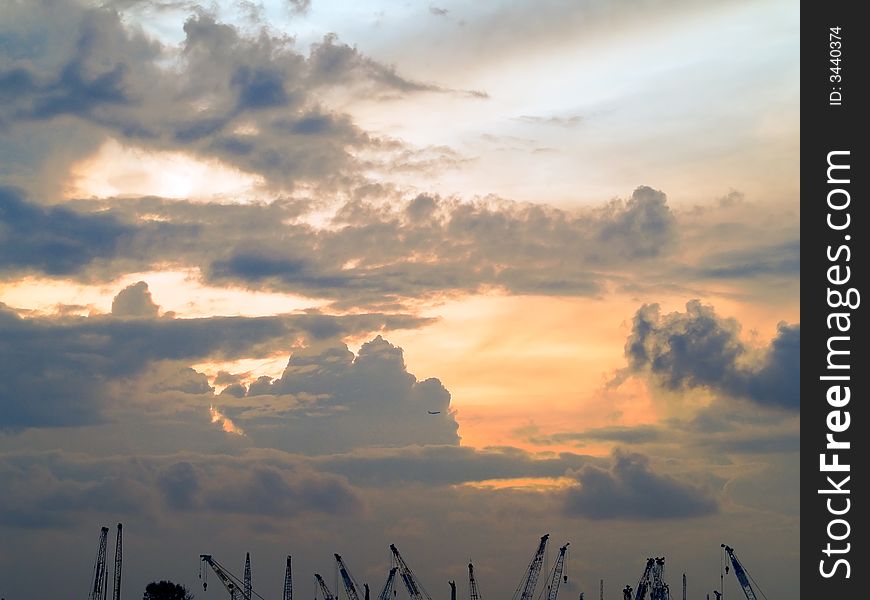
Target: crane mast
[
  {"x": 415, "y": 589},
  {"x": 247, "y": 593},
  {"x": 116, "y": 580},
  {"x": 660, "y": 590},
  {"x": 740, "y": 573},
  {"x": 387, "y": 590},
  {"x": 327, "y": 595},
  {"x": 556, "y": 575},
  {"x": 349, "y": 583},
  {"x": 101, "y": 575},
  {"x": 288, "y": 581},
  {"x": 472, "y": 584},
  {"x": 530, "y": 580}
]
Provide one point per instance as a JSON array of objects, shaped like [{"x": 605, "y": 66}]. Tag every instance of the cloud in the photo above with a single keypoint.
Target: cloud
[
  {"x": 781, "y": 259},
  {"x": 461, "y": 246},
  {"x": 631, "y": 489},
  {"x": 569, "y": 121},
  {"x": 134, "y": 301},
  {"x": 62, "y": 488},
  {"x": 616, "y": 433},
  {"x": 54, "y": 240},
  {"x": 373, "y": 253},
  {"x": 329, "y": 400},
  {"x": 196, "y": 97},
  {"x": 699, "y": 349},
  {"x": 55, "y": 371},
  {"x": 269, "y": 491},
  {"x": 447, "y": 465},
  {"x": 300, "y": 7}
]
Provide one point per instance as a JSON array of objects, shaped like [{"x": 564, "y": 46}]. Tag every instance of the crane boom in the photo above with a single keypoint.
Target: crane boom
[
  {"x": 349, "y": 583},
  {"x": 387, "y": 590},
  {"x": 99, "y": 588},
  {"x": 530, "y": 580},
  {"x": 643, "y": 584},
  {"x": 231, "y": 583},
  {"x": 556, "y": 575},
  {"x": 740, "y": 573},
  {"x": 414, "y": 587},
  {"x": 327, "y": 595},
  {"x": 288, "y": 581},
  {"x": 116, "y": 580},
  {"x": 472, "y": 584}
]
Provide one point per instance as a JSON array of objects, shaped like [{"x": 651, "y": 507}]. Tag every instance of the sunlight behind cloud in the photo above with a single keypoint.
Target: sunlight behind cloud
[
  {"x": 178, "y": 291},
  {"x": 118, "y": 170},
  {"x": 224, "y": 421}
]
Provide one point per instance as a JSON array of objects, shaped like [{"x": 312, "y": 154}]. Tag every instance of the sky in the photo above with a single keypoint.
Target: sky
[{"x": 307, "y": 276}]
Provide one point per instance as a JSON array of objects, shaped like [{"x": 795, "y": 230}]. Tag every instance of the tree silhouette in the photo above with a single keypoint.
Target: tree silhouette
[{"x": 166, "y": 590}]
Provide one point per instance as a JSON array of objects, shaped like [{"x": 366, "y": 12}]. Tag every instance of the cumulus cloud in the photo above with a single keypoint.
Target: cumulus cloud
[
  {"x": 699, "y": 349},
  {"x": 134, "y": 301},
  {"x": 329, "y": 400},
  {"x": 631, "y": 489}
]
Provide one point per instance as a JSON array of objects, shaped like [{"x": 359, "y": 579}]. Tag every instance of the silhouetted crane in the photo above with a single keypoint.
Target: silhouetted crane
[
  {"x": 742, "y": 575},
  {"x": 116, "y": 580},
  {"x": 234, "y": 586},
  {"x": 387, "y": 590},
  {"x": 473, "y": 592},
  {"x": 527, "y": 586},
  {"x": 99, "y": 588},
  {"x": 555, "y": 580},
  {"x": 327, "y": 595},
  {"x": 350, "y": 585},
  {"x": 414, "y": 587},
  {"x": 288, "y": 581},
  {"x": 247, "y": 593}
]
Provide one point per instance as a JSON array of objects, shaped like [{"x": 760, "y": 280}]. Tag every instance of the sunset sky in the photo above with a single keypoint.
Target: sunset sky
[{"x": 308, "y": 276}]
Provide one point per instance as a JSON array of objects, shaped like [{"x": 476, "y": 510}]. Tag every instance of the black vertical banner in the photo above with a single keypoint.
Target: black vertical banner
[{"x": 834, "y": 370}]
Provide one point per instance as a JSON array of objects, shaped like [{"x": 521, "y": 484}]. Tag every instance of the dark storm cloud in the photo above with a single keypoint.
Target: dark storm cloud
[
  {"x": 630, "y": 489},
  {"x": 698, "y": 348},
  {"x": 102, "y": 72},
  {"x": 54, "y": 371},
  {"x": 54, "y": 240}
]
